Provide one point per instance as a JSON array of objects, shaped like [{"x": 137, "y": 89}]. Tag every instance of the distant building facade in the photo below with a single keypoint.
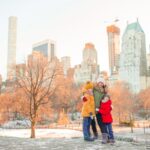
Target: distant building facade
[
  {"x": 0, "y": 83},
  {"x": 47, "y": 48},
  {"x": 36, "y": 55},
  {"x": 20, "y": 70},
  {"x": 88, "y": 69},
  {"x": 133, "y": 64},
  {"x": 148, "y": 69},
  {"x": 148, "y": 64},
  {"x": 12, "y": 41},
  {"x": 66, "y": 63},
  {"x": 113, "y": 33}
]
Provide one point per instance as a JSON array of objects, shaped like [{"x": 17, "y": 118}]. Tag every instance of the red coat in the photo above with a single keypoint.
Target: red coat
[{"x": 105, "y": 110}]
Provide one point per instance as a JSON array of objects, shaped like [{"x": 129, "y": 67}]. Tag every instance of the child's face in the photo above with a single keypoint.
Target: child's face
[
  {"x": 106, "y": 98},
  {"x": 90, "y": 91}
]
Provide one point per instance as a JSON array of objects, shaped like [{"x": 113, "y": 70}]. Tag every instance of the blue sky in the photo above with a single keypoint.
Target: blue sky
[{"x": 71, "y": 23}]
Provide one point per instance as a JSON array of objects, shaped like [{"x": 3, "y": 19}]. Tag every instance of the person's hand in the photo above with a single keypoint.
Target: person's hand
[
  {"x": 97, "y": 109},
  {"x": 112, "y": 106},
  {"x": 83, "y": 98},
  {"x": 91, "y": 115}
]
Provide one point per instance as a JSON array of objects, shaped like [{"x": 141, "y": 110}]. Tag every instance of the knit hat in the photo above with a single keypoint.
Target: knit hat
[
  {"x": 87, "y": 86},
  {"x": 100, "y": 80},
  {"x": 106, "y": 95}
]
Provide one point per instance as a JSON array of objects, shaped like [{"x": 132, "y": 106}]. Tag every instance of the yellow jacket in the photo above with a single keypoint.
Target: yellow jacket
[{"x": 88, "y": 106}]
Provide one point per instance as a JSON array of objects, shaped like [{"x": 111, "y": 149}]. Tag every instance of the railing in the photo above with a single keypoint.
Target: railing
[{"x": 73, "y": 126}]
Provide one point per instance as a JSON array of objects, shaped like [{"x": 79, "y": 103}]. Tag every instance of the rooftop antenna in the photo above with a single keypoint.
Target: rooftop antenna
[
  {"x": 116, "y": 20},
  {"x": 112, "y": 21}
]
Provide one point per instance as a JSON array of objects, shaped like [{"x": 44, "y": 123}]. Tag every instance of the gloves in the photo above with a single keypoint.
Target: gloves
[
  {"x": 112, "y": 106},
  {"x": 83, "y": 98},
  {"x": 91, "y": 115},
  {"x": 97, "y": 109}
]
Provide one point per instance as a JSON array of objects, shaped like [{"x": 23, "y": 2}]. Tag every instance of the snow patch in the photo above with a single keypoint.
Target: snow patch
[
  {"x": 17, "y": 124},
  {"x": 41, "y": 133}
]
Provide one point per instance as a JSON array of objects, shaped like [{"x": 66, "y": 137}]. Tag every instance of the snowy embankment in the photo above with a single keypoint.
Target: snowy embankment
[
  {"x": 138, "y": 135},
  {"x": 121, "y": 134},
  {"x": 22, "y": 129},
  {"x": 60, "y": 139},
  {"x": 41, "y": 133}
]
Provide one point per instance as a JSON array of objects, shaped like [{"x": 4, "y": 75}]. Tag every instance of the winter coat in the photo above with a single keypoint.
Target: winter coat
[
  {"x": 105, "y": 111},
  {"x": 88, "y": 106},
  {"x": 98, "y": 93}
]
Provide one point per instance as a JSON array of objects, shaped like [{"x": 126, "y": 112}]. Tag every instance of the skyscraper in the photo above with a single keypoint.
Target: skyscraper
[
  {"x": 12, "y": 39},
  {"x": 66, "y": 63},
  {"x": 113, "y": 33},
  {"x": 47, "y": 48},
  {"x": 148, "y": 64},
  {"x": 133, "y": 64},
  {"x": 89, "y": 69}
]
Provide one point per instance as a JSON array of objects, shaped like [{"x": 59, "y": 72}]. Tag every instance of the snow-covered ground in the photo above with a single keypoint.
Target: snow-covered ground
[
  {"x": 17, "y": 124},
  {"x": 65, "y": 139},
  {"x": 9, "y": 143},
  {"x": 139, "y": 134},
  {"x": 41, "y": 133}
]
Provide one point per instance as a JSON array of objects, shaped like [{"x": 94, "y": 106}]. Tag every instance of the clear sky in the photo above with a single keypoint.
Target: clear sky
[{"x": 71, "y": 23}]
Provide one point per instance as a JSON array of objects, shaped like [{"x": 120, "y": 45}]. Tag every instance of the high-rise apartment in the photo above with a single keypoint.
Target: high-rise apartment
[
  {"x": 133, "y": 63},
  {"x": 47, "y": 48},
  {"x": 113, "y": 33},
  {"x": 12, "y": 39},
  {"x": 89, "y": 69},
  {"x": 66, "y": 63}
]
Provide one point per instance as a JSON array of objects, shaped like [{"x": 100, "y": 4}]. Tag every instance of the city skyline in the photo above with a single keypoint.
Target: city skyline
[{"x": 70, "y": 23}]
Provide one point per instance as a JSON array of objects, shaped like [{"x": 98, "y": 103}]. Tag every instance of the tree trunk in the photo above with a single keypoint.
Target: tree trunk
[
  {"x": 33, "y": 128},
  {"x": 131, "y": 123},
  {"x": 119, "y": 119}
]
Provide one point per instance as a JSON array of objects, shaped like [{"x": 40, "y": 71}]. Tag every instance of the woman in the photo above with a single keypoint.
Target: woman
[{"x": 99, "y": 90}]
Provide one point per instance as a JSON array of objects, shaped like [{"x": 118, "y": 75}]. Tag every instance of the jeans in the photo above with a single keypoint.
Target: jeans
[
  {"x": 86, "y": 127},
  {"x": 100, "y": 123},
  {"x": 94, "y": 129},
  {"x": 109, "y": 130}
]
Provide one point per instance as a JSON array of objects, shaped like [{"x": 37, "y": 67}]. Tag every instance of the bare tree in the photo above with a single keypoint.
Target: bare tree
[
  {"x": 123, "y": 102},
  {"x": 144, "y": 103},
  {"x": 66, "y": 96},
  {"x": 38, "y": 83}
]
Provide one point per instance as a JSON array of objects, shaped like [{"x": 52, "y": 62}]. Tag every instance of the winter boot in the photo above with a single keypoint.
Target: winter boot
[
  {"x": 89, "y": 139},
  {"x": 95, "y": 135},
  {"x": 104, "y": 138},
  {"x": 111, "y": 141}
]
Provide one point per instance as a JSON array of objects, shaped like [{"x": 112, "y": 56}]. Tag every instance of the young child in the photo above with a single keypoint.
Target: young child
[
  {"x": 88, "y": 110},
  {"x": 105, "y": 111}
]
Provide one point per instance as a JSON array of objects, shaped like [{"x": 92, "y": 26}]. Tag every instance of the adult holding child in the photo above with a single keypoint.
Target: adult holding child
[{"x": 99, "y": 90}]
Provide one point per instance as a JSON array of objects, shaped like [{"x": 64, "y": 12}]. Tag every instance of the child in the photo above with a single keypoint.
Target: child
[
  {"x": 88, "y": 110},
  {"x": 105, "y": 111}
]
